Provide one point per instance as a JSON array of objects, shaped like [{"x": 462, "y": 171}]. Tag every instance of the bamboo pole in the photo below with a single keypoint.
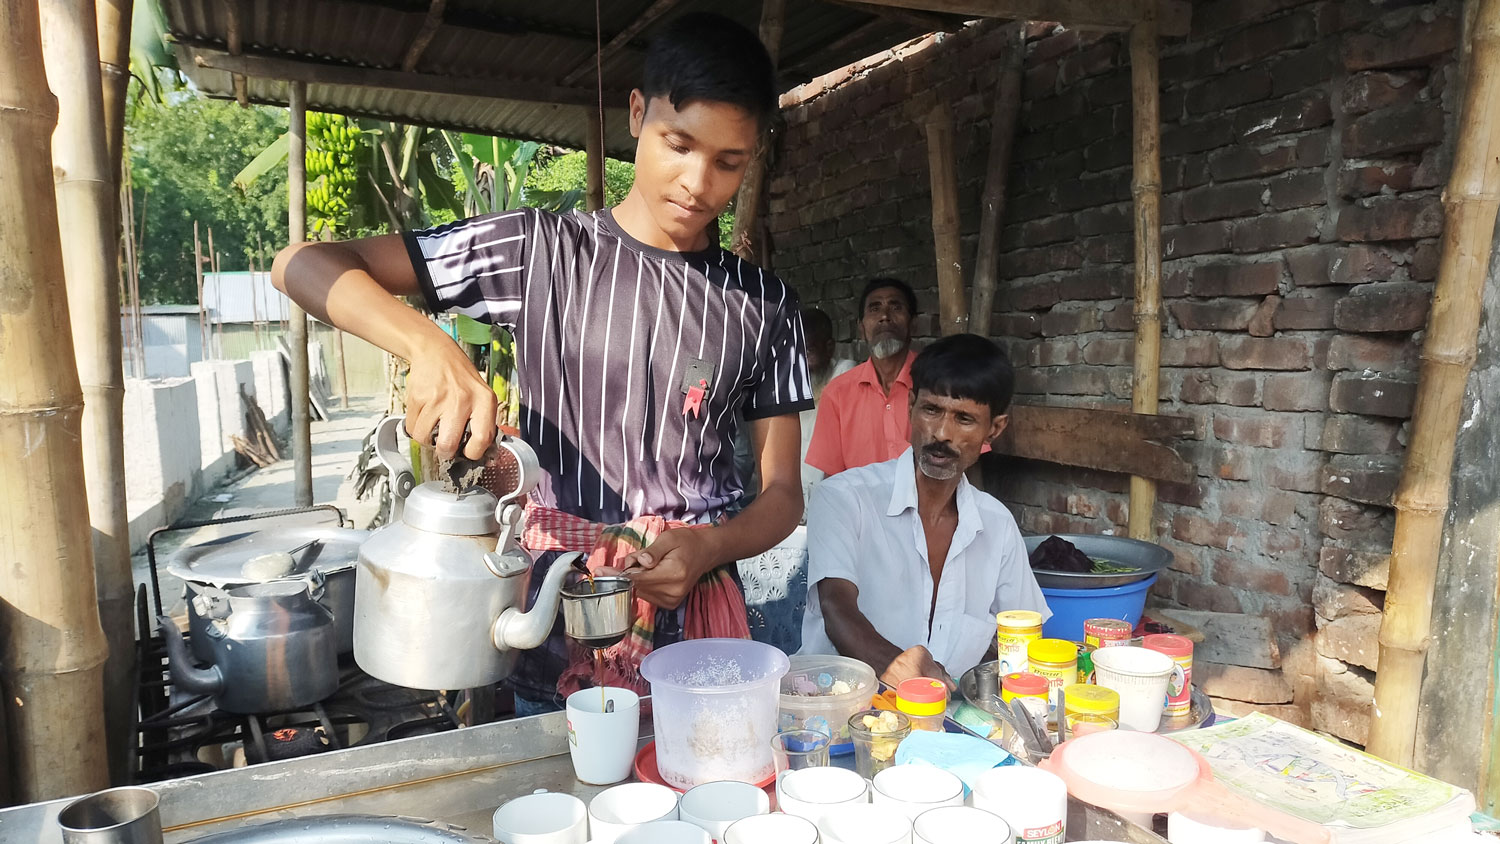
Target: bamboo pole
[
  {"x": 942, "y": 167},
  {"x": 132, "y": 273},
  {"x": 1470, "y": 203},
  {"x": 594, "y": 157},
  {"x": 297, "y": 336},
  {"x": 198, "y": 275},
  {"x": 81, "y": 173},
  {"x": 1146, "y": 190},
  {"x": 1003, "y": 119},
  {"x": 52, "y": 649},
  {"x": 113, "y": 22},
  {"x": 748, "y": 236},
  {"x": 215, "y": 327}
]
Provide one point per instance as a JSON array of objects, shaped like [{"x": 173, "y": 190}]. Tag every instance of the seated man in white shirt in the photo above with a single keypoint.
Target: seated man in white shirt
[{"x": 907, "y": 562}]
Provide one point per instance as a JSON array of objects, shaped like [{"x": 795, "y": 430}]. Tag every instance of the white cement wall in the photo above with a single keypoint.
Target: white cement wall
[
  {"x": 162, "y": 459},
  {"x": 220, "y": 413},
  {"x": 271, "y": 388}
]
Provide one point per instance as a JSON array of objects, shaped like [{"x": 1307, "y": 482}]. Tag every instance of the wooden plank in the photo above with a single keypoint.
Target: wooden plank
[
  {"x": 1232, "y": 638},
  {"x": 1173, "y": 16},
  {"x": 323, "y": 73},
  {"x": 1003, "y": 119},
  {"x": 1108, "y": 440},
  {"x": 621, "y": 38},
  {"x": 942, "y": 168},
  {"x": 431, "y": 22},
  {"x": 907, "y": 17},
  {"x": 235, "y": 42}
]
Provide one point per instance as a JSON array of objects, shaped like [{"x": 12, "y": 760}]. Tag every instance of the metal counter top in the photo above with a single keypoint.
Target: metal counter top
[{"x": 460, "y": 777}]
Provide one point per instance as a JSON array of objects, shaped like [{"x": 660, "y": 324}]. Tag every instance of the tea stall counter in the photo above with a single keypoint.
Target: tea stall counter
[{"x": 457, "y": 777}]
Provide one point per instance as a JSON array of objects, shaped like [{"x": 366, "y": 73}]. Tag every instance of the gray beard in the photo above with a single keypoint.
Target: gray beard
[
  {"x": 934, "y": 472},
  {"x": 886, "y": 348}
]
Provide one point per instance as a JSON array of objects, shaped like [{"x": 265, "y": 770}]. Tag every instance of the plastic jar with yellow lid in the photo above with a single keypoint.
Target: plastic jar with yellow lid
[
  {"x": 1014, "y": 631},
  {"x": 1091, "y": 700},
  {"x": 1054, "y": 659}
]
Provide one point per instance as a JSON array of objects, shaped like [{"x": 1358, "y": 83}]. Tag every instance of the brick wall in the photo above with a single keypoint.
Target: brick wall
[{"x": 1304, "y": 145}]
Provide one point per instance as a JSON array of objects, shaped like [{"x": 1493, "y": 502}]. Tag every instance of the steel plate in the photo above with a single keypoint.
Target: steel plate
[
  {"x": 219, "y": 561},
  {"x": 1148, "y": 558}
]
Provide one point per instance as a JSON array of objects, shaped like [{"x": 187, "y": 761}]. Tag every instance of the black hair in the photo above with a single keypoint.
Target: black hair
[
  {"x": 704, "y": 56},
  {"x": 816, "y": 325},
  {"x": 965, "y": 366},
  {"x": 883, "y": 283}
]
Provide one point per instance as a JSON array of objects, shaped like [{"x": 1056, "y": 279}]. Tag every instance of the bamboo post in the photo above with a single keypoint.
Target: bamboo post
[
  {"x": 594, "y": 156},
  {"x": 1470, "y": 202},
  {"x": 113, "y": 22},
  {"x": 198, "y": 274},
  {"x": 215, "y": 327},
  {"x": 1146, "y": 190},
  {"x": 942, "y": 168},
  {"x": 52, "y": 649},
  {"x": 132, "y": 275},
  {"x": 302, "y": 490},
  {"x": 992, "y": 205},
  {"x": 81, "y": 172},
  {"x": 747, "y": 237}
]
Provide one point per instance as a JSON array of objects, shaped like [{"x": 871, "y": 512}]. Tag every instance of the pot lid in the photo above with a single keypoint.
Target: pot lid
[
  {"x": 469, "y": 513},
  {"x": 221, "y": 561}
]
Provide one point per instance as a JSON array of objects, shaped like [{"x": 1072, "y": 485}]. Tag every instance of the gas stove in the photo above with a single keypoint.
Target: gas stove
[{"x": 184, "y": 735}]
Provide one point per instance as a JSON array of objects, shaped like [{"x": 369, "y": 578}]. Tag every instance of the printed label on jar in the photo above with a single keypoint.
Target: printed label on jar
[{"x": 1050, "y": 834}]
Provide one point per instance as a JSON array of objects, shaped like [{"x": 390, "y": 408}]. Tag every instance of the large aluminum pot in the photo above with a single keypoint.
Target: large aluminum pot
[{"x": 221, "y": 564}]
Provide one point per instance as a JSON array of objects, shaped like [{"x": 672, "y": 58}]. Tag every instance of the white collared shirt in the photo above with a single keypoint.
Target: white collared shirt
[{"x": 863, "y": 527}]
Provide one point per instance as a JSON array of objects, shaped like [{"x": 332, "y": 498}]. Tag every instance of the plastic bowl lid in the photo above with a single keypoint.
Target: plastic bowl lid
[
  {"x": 1019, "y": 618},
  {"x": 922, "y": 690},
  {"x": 1052, "y": 651}
]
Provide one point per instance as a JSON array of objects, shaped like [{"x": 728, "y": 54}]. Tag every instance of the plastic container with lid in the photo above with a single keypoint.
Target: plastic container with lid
[
  {"x": 1091, "y": 700},
  {"x": 1106, "y": 633},
  {"x": 1031, "y": 689},
  {"x": 1180, "y": 685},
  {"x": 820, "y": 692},
  {"x": 1014, "y": 630},
  {"x": 1054, "y": 659},
  {"x": 923, "y": 701},
  {"x": 715, "y": 709}
]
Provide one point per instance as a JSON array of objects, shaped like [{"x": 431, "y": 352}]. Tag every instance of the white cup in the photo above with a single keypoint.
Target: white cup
[
  {"x": 772, "y": 829},
  {"x": 665, "y": 832},
  {"x": 868, "y": 823},
  {"x": 1032, "y": 801},
  {"x": 617, "y": 810},
  {"x": 914, "y": 789},
  {"x": 1140, "y": 675},
  {"x": 713, "y": 806},
  {"x": 959, "y": 825},
  {"x": 603, "y": 744},
  {"x": 812, "y": 792},
  {"x": 542, "y": 818}
]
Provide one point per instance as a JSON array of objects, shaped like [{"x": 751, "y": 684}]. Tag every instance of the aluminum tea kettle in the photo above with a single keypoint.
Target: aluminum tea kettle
[
  {"x": 273, "y": 647},
  {"x": 438, "y": 594}
]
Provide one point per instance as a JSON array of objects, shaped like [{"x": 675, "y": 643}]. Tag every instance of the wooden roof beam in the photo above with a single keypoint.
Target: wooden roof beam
[
  {"x": 898, "y": 14},
  {"x": 621, "y": 38},
  {"x": 430, "y": 25},
  {"x": 321, "y": 73},
  {"x": 1172, "y": 16},
  {"x": 234, "y": 39}
]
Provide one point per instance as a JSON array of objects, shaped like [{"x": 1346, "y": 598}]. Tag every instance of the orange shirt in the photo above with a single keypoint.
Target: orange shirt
[{"x": 858, "y": 423}]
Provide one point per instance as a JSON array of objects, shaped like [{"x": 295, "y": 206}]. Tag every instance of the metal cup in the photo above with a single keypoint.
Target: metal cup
[
  {"x": 601, "y": 617},
  {"x": 115, "y": 816}
]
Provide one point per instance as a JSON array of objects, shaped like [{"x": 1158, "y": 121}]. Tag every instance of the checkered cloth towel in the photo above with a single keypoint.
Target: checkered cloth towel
[{"x": 714, "y": 609}]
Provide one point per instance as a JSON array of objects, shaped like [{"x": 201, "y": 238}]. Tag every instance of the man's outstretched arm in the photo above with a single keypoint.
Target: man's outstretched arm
[
  {"x": 856, "y": 637},
  {"x": 354, "y": 285}
]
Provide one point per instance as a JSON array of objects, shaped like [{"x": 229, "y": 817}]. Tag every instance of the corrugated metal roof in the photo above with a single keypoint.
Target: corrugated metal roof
[{"x": 535, "y": 44}]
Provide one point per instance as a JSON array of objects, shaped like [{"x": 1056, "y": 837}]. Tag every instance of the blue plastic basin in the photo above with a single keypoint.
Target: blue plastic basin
[{"x": 1072, "y": 607}]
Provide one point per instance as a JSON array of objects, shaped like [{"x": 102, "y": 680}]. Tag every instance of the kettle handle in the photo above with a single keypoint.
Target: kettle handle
[{"x": 388, "y": 450}]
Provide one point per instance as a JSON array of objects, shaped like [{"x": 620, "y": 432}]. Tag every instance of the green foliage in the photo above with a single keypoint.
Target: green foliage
[
  {"x": 569, "y": 171},
  {"x": 184, "y": 155}
]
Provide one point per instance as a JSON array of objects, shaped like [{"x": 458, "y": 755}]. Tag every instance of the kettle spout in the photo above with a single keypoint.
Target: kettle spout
[
  {"x": 526, "y": 630},
  {"x": 186, "y": 676}
]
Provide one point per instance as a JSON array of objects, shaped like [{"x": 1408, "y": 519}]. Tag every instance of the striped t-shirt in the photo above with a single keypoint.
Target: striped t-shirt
[{"x": 610, "y": 334}]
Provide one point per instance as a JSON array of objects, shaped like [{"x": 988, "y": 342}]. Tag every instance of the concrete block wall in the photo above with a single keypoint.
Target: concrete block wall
[
  {"x": 271, "y": 388},
  {"x": 220, "y": 413},
  {"x": 1304, "y": 146},
  {"x": 163, "y": 472}
]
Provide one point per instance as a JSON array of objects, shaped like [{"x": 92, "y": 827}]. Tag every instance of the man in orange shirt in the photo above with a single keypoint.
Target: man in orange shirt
[{"x": 865, "y": 414}]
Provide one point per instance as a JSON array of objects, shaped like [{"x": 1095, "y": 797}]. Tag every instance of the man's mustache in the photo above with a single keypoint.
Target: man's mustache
[{"x": 939, "y": 450}]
